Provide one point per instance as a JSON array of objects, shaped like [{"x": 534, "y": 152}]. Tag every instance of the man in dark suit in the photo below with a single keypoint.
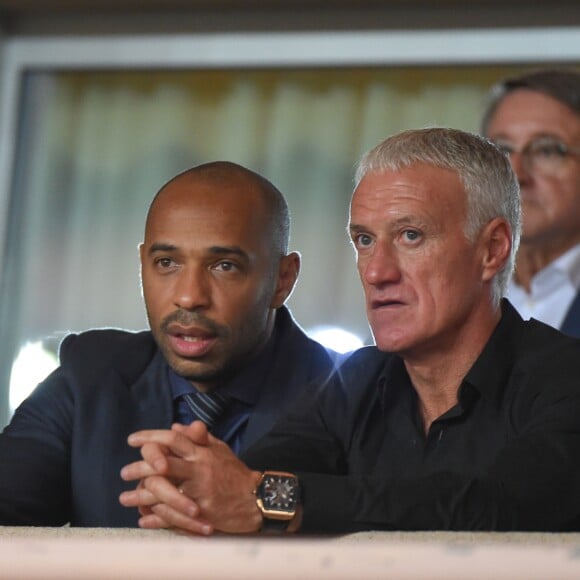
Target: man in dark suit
[
  {"x": 535, "y": 119},
  {"x": 222, "y": 348}
]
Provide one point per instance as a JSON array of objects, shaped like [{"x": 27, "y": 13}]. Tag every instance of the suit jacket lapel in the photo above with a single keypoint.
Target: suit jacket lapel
[
  {"x": 297, "y": 361},
  {"x": 151, "y": 394},
  {"x": 144, "y": 403}
]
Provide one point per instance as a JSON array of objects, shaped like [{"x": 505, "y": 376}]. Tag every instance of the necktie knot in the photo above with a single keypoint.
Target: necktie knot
[{"x": 208, "y": 407}]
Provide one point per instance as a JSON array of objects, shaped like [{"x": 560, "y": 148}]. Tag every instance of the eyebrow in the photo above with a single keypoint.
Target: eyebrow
[
  {"x": 355, "y": 229},
  {"x": 159, "y": 247},
  {"x": 228, "y": 250},
  {"x": 402, "y": 221},
  {"x": 216, "y": 250}
]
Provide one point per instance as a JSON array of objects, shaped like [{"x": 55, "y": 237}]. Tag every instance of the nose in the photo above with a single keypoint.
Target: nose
[
  {"x": 521, "y": 167},
  {"x": 380, "y": 267},
  {"x": 192, "y": 290}
]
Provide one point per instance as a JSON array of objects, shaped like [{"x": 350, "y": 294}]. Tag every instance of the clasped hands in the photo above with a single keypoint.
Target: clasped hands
[{"x": 190, "y": 481}]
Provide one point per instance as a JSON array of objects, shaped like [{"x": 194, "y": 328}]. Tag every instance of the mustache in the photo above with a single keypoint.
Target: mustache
[{"x": 188, "y": 318}]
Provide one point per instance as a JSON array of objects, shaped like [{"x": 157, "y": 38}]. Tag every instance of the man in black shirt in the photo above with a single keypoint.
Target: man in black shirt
[{"x": 464, "y": 417}]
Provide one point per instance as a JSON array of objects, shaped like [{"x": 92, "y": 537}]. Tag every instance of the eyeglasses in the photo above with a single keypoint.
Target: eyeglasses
[{"x": 545, "y": 154}]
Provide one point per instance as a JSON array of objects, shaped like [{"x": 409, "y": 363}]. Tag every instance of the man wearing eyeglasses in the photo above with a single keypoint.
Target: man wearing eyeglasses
[{"x": 535, "y": 119}]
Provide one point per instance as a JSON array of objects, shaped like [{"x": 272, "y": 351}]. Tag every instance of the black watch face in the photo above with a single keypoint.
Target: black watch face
[{"x": 279, "y": 493}]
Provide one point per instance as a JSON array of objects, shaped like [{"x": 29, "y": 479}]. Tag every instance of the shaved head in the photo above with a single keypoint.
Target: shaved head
[
  {"x": 231, "y": 175},
  {"x": 215, "y": 268}
]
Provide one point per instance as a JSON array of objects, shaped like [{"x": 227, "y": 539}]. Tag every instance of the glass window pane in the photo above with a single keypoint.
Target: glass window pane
[{"x": 94, "y": 147}]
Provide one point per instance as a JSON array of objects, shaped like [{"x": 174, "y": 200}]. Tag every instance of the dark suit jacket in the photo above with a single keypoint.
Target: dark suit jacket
[
  {"x": 571, "y": 324},
  {"x": 61, "y": 455}
]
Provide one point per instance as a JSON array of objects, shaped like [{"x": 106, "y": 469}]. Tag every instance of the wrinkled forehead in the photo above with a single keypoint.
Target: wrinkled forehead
[
  {"x": 419, "y": 180},
  {"x": 533, "y": 112}
]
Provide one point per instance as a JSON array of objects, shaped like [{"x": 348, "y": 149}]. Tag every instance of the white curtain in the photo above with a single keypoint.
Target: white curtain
[{"x": 95, "y": 147}]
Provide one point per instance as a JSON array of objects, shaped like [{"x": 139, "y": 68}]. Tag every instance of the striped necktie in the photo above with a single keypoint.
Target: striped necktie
[{"x": 208, "y": 407}]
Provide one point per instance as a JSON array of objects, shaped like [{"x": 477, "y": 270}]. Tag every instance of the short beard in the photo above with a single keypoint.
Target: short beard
[{"x": 210, "y": 377}]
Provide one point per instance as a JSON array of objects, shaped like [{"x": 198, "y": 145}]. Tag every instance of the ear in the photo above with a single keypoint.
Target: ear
[
  {"x": 141, "y": 261},
  {"x": 288, "y": 270},
  {"x": 496, "y": 244}
]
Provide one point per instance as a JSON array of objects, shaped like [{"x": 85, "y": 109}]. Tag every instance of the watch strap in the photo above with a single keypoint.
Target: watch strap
[{"x": 270, "y": 526}]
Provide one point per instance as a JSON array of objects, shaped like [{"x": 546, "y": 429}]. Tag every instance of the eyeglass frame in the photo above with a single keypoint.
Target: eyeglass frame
[{"x": 552, "y": 161}]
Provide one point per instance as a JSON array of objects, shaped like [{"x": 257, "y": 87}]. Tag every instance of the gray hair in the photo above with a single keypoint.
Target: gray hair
[
  {"x": 561, "y": 85},
  {"x": 490, "y": 184}
]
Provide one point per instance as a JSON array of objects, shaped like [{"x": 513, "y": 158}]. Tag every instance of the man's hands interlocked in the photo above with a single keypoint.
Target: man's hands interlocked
[{"x": 192, "y": 482}]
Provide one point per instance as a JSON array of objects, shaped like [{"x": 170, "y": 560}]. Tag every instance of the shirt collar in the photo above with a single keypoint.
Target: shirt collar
[
  {"x": 564, "y": 269},
  {"x": 490, "y": 372},
  {"x": 488, "y": 375},
  {"x": 392, "y": 380}
]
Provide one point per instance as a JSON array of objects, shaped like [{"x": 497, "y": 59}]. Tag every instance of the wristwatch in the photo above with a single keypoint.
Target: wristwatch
[{"x": 277, "y": 496}]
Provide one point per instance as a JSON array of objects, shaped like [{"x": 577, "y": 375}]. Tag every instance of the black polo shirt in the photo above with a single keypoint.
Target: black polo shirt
[{"x": 505, "y": 457}]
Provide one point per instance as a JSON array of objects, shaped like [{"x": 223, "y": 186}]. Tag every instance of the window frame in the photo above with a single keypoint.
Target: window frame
[{"x": 20, "y": 56}]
